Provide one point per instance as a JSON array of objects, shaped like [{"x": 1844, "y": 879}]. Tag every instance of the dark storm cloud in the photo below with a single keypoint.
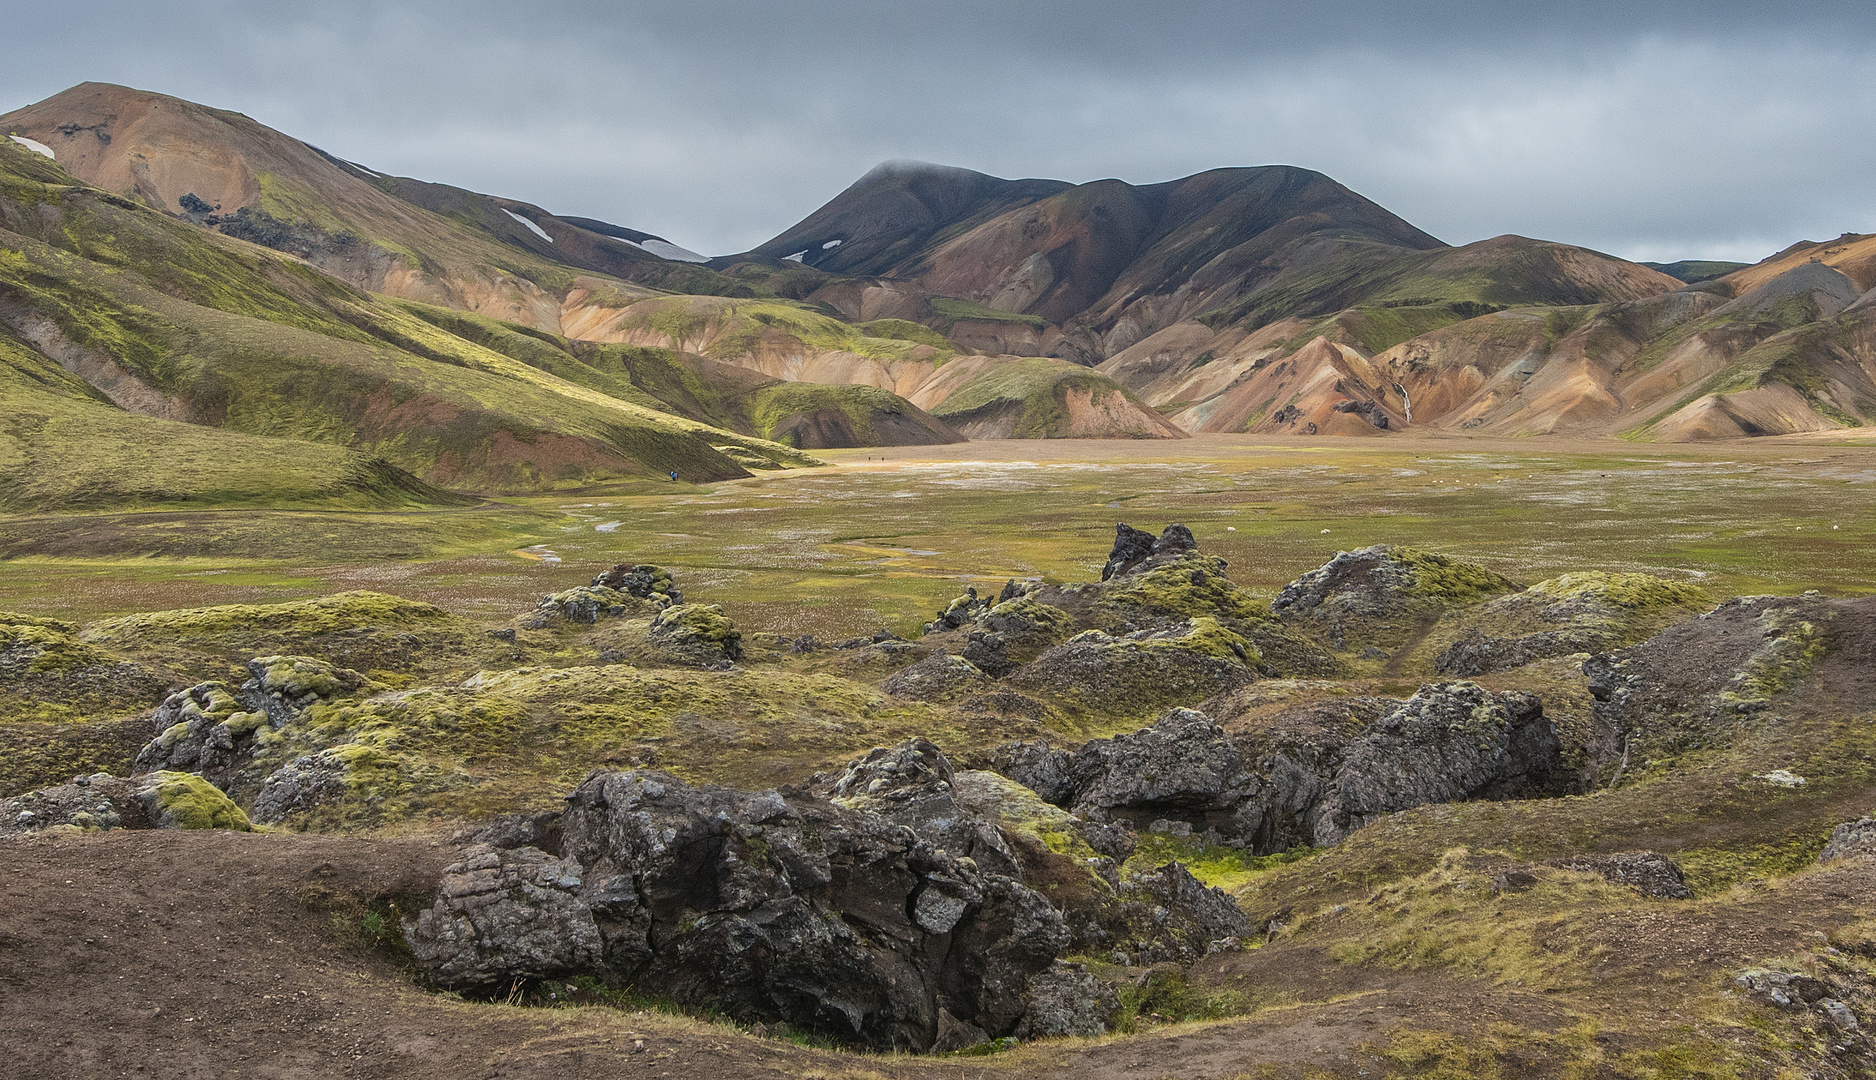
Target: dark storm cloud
[{"x": 1650, "y": 130}]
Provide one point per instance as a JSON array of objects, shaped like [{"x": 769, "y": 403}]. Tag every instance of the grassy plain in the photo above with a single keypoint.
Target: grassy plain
[{"x": 885, "y": 536}]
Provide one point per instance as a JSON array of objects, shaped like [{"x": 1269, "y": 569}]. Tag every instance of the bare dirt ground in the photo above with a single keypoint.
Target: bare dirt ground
[{"x": 185, "y": 955}]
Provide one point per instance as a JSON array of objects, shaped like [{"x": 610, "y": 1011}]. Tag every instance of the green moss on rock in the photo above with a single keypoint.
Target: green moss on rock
[
  {"x": 186, "y": 801},
  {"x": 1449, "y": 580}
]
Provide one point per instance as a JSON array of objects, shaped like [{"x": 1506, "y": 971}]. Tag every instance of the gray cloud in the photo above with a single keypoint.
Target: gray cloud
[{"x": 1648, "y": 130}]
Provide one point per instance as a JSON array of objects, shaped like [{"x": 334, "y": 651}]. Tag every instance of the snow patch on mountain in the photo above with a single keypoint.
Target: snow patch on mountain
[
  {"x": 34, "y": 145},
  {"x": 532, "y": 227},
  {"x": 666, "y": 250}
]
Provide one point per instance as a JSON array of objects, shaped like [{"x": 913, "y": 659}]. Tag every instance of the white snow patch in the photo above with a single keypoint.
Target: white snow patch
[
  {"x": 361, "y": 168},
  {"x": 609, "y": 526},
  {"x": 1782, "y": 778},
  {"x": 532, "y": 227},
  {"x": 830, "y": 245},
  {"x": 627, "y": 243},
  {"x": 34, "y": 145},
  {"x": 665, "y": 250},
  {"x": 796, "y": 257}
]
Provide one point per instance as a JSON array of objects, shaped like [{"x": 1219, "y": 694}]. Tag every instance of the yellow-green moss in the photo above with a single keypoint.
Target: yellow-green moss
[
  {"x": 1448, "y": 580},
  {"x": 303, "y": 618},
  {"x": 1638, "y": 592},
  {"x": 1188, "y": 587},
  {"x": 186, "y": 801}
]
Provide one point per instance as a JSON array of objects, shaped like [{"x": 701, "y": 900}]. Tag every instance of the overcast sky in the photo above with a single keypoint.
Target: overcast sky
[{"x": 1653, "y": 131}]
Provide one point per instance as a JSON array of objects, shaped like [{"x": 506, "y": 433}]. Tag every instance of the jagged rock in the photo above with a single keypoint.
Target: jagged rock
[
  {"x": 585, "y": 605},
  {"x": 645, "y": 581},
  {"x": 1308, "y": 777},
  {"x": 767, "y": 907},
  {"x": 989, "y": 652},
  {"x": 1648, "y": 872},
  {"x": 1850, "y": 840},
  {"x": 955, "y": 1034},
  {"x": 1379, "y": 596},
  {"x": 1036, "y": 765},
  {"x": 1131, "y": 547},
  {"x": 1068, "y": 1000},
  {"x": 212, "y": 730},
  {"x": 1450, "y": 741},
  {"x": 1181, "y": 764},
  {"x": 300, "y": 786},
  {"x": 507, "y": 914},
  {"x": 911, "y": 785},
  {"x": 938, "y": 677},
  {"x": 156, "y": 800},
  {"x": 697, "y": 633},
  {"x": 1167, "y": 915},
  {"x": 960, "y": 612}
]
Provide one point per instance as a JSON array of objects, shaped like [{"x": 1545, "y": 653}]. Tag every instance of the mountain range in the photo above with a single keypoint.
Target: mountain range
[{"x": 180, "y": 282}]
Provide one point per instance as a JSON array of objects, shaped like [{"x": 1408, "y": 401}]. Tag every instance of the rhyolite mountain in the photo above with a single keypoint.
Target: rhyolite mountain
[{"x": 927, "y": 303}]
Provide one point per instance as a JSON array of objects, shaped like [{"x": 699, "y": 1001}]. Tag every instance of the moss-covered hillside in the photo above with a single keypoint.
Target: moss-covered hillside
[{"x": 158, "y": 318}]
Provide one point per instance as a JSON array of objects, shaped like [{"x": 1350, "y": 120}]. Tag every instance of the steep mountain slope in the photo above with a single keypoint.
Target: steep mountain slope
[
  {"x": 1086, "y": 272},
  {"x": 63, "y": 446},
  {"x": 896, "y": 211},
  {"x": 164, "y": 319},
  {"x": 386, "y": 234}
]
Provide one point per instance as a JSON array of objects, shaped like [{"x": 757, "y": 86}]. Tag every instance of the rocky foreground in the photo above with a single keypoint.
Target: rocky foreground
[{"x": 646, "y": 800}]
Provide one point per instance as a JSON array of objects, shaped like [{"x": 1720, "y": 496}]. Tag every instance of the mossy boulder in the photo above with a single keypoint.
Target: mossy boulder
[
  {"x": 1146, "y": 671},
  {"x": 1383, "y": 597},
  {"x": 220, "y": 731},
  {"x": 186, "y": 801},
  {"x": 1575, "y": 613},
  {"x": 584, "y": 605},
  {"x": 938, "y": 677},
  {"x": 1026, "y": 625},
  {"x": 697, "y": 633},
  {"x": 157, "y": 800}
]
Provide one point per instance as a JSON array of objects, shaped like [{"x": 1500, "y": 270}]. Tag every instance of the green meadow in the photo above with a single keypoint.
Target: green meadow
[{"x": 884, "y": 537}]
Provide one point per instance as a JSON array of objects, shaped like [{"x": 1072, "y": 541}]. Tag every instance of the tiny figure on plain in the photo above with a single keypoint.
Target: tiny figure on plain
[{"x": 674, "y": 476}]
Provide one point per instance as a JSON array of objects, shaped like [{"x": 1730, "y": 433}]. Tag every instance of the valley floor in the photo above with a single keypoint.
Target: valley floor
[{"x": 188, "y": 955}]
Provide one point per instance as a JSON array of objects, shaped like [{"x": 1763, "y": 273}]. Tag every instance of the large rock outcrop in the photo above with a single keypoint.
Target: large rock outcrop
[
  {"x": 766, "y": 906},
  {"x": 1312, "y": 776},
  {"x": 1381, "y": 597}
]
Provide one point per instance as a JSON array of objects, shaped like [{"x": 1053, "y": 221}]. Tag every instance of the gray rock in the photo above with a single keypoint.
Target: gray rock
[
  {"x": 1131, "y": 547},
  {"x": 505, "y": 915},
  {"x": 938, "y": 677},
  {"x": 1181, "y": 766},
  {"x": 1167, "y": 915},
  {"x": 1850, "y": 840},
  {"x": 1379, "y": 596},
  {"x": 1068, "y": 1000},
  {"x": 300, "y": 786},
  {"x": 644, "y": 581},
  {"x": 1648, "y": 872},
  {"x": 767, "y": 907},
  {"x": 212, "y": 729},
  {"x": 1451, "y": 741}
]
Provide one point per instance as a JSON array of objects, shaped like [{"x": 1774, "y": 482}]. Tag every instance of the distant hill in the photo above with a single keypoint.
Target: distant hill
[
  {"x": 1693, "y": 271},
  {"x": 1085, "y": 272},
  {"x": 249, "y": 282}
]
